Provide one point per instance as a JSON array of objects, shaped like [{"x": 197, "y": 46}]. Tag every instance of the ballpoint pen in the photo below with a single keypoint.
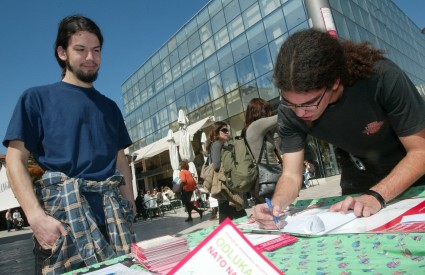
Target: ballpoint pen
[{"x": 275, "y": 219}]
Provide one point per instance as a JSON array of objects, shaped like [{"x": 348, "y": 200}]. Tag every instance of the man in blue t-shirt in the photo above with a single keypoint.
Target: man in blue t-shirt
[{"x": 78, "y": 136}]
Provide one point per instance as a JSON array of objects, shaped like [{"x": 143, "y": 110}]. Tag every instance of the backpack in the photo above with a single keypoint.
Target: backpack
[{"x": 239, "y": 166}]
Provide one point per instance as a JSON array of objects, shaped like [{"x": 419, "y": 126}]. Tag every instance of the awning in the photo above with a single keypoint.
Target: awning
[
  {"x": 7, "y": 198},
  {"x": 161, "y": 145}
]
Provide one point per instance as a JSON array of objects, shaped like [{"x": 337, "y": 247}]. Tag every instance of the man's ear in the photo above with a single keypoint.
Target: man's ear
[
  {"x": 335, "y": 86},
  {"x": 61, "y": 53}
]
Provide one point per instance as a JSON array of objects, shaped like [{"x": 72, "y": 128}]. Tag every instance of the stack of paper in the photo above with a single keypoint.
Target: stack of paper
[{"x": 160, "y": 254}]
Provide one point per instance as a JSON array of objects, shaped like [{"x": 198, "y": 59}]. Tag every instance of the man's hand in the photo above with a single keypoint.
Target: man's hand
[
  {"x": 47, "y": 230},
  {"x": 264, "y": 217},
  {"x": 363, "y": 206}
]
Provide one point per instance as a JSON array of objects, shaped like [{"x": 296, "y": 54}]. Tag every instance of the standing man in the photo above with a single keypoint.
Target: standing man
[
  {"x": 85, "y": 202},
  {"x": 349, "y": 95}
]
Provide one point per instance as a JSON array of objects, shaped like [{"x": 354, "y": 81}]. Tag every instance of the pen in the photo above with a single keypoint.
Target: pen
[{"x": 275, "y": 219}]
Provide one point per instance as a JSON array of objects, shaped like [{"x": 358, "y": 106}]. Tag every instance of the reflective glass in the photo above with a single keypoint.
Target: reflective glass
[
  {"x": 208, "y": 47},
  {"x": 262, "y": 61},
  {"x": 232, "y": 10},
  {"x": 163, "y": 52},
  {"x": 196, "y": 56},
  {"x": 214, "y": 7},
  {"x": 178, "y": 88},
  {"x": 191, "y": 101},
  {"x": 172, "y": 112},
  {"x": 211, "y": 66},
  {"x": 202, "y": 94},
  {"x": 169, "y": 94},
  {"x": 235, "y": 27},
  {"x": 165, "y": 64},
  {"x": 252, "y": 15},
  {"x": 229, "y": 80},
  {"x": 167, "y": 78},
  {"x": 234, "y": 103},
  {"x": 240, "y": 47},
  {"x": 218, "y": 21},
  {"x": 294, "y": 13},
  {"x": 220, "y": 109},
  {"x": 268, "y": 6},
  {"x": 202, "y": 17},
  {"x": 185, "y": 64},
  {"x": 244, "y": 4},
  {"x": 225, "y": 57},
  {"x": 174, "y": 58},
  {"x": 160, "y": 100},
  {"x": 274, "y": 25},
  {"x": 199, "y": 75},
  {"x": 221, "y": 38},
  {"x": 188, "y": 82},
  {"x": 248, "y": 92},
  {"x": 256, "y": 37},
  {"x": 215, "y": 87},
  {"x": 244, "y": 71},
  {"x": 148, "y": 126},
  {"x": 266, "y": 88},
  {"x": 183, "y": 50},
  {"x": 176, "y": 70},
  {"x": 193, "y": 42},
  {"x": 205, "y": 32}
]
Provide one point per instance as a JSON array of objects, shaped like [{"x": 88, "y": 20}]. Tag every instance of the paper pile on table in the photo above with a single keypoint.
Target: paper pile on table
[{"x": 160, "y": 254}]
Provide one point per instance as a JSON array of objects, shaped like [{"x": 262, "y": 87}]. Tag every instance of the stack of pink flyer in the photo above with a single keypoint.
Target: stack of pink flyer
[{"x": 160, "y": 254}]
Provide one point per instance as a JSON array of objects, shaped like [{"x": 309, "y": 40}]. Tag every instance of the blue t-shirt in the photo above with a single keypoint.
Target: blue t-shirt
[{"x": 70, "y": 129}]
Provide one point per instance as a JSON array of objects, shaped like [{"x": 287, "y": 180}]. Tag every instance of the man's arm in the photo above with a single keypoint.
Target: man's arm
[
  {"x": 404, "y": 174},
  {"x": 46, "y": 229},
  {"x": 127, "y": 189},
  {"x": 287, "y": 189}
]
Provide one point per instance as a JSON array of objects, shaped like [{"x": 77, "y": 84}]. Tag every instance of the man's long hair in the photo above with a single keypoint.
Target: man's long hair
[
  {"x": 69, "y": 26},
  {"x": 312, "y": 59}
]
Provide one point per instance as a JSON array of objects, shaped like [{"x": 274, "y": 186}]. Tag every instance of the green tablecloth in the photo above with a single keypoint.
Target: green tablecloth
[{"x": 402, "y": 253}]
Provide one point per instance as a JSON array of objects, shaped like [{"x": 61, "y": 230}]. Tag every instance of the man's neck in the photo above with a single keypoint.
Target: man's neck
[{"x": 75, "y": 81}]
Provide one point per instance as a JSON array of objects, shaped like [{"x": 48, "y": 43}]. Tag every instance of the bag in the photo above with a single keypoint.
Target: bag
[
  {"x": 239, "y": 165},
  {"x": 268, "y": 173},
  {"x": 207, "y": 174}
]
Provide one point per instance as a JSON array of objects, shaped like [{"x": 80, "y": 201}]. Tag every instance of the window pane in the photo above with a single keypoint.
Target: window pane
[
  {"x": 275, "y": 25},
  {"x": 232, "y": 10},
  {"x": 244, "y": 71},
  {"x": 185, "y": 64},
  {"x": 205, "y": 32},
  {"x": 246, "y": 3},
  {"x": 153, "y": 108},
  {"x": 176, "y": 71},
  {"x": 266, "y": 87},
  {"x": 174, "y": 58},
  {"x": 167, "y": 78},
  {"x": 203, "y": 17},
  {"x": 214, "y": 7},
  {"x": 169, "y": 95},
  {"x": 215, "y": 86},
  {"x": 219, "y": 109},
  {"x": 193, "y": 42},
  {"x": 218, "y": 21},
  {"x": 188, "y": 82},
  {"x": 234, "y": 103},
  {"x": 228, "y": 77},
  {"x": 178, "y": 88},
  {"x": 172, "y": 111},
  {"x": 252, "y": 15},
  {"x": 225, "y": 58},
  {"x": 160, "y": 100},
  {"x": 208, "y": 47},
  {"x": 203, "y": 94},
  {"x": 183, "y": 50},
  {"x": 256, "y": 37},
  {"x": 211, "y": 66},
  {"x": 221, "y": 38},
  {"x": 163, "y": 52},
  {"x": 199, "y": 75},
  {"x": 172, "y": 44},
  {"x": 275, "y": 46},
  {"x": 196, "y": 56},
  {"x": 267, "y": 6},
  {"x": 240, "y": 47},
  {"x": 235, "y": 27},
  {"x": 262, "y": 61},
  {"x": 165, "y": 64},
  {"x": 248, "y": 92},
  {"x": 294, "y": 13},
  {"x": 192, "y": 101}
]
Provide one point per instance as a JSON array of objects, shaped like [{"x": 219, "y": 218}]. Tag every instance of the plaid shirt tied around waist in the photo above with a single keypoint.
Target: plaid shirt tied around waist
[{"x": 84, "y": 243}]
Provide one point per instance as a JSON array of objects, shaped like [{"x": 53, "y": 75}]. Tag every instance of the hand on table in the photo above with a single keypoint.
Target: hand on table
[{"x": 363, "y": 206}]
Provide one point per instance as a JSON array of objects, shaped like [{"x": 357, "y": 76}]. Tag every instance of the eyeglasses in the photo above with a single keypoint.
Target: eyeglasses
[
  {"x": 311, "y": 107},
  {"x": 224, "y": 130}
]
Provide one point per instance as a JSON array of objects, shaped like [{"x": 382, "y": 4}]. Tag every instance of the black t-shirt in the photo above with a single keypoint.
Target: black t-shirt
[{"x": 367, "y": 122}]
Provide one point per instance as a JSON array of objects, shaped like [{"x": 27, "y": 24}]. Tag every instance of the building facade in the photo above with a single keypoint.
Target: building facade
[{"x": 224, "y": 56}]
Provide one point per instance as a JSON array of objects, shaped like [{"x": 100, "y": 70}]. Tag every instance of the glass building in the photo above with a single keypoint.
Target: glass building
[{"x": 224, "y": 56}]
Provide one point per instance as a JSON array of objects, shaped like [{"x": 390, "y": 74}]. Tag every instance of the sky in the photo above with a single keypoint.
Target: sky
[{"x": 133, "y": 30}]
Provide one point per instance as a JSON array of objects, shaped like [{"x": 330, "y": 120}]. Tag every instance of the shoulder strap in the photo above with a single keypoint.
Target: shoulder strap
[
  {"x": 264, "y": 150},
  {"x": 249, "y": 149}
]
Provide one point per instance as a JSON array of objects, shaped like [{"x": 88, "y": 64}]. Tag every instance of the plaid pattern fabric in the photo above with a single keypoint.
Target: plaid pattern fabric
[{"x": 84, "y": 243}]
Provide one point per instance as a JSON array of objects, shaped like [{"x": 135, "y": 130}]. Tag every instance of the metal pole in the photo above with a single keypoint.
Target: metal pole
[
  {"x": 133, "y": 173},
  {"x": 320, "y": 16}
]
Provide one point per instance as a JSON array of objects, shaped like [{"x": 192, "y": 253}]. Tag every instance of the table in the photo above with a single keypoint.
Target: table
[{"x": 376, "y": 253}]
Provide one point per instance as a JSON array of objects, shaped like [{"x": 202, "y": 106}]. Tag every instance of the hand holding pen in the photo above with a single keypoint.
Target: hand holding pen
[{"x": 275, "y": 219}]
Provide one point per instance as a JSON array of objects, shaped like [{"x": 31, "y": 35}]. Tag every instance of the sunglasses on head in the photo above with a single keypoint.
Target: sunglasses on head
[{"x": 224, "y": 130}]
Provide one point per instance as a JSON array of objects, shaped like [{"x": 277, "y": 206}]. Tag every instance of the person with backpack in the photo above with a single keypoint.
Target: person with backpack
[
  {"x": 259, "y": 131},
  {"x": 217, "y": 137},
  {"x": 189, "y": 185}
]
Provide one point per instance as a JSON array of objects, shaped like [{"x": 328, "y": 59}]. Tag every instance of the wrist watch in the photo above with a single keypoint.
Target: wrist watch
[{"x": 377, "y": 196}]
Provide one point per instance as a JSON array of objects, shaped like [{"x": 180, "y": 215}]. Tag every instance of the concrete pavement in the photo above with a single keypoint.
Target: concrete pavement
[{"x": 16, "y": 246}]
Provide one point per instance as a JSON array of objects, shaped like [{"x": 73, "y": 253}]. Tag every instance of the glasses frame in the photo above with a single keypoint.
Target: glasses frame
[{"x": 311, "y": 107}]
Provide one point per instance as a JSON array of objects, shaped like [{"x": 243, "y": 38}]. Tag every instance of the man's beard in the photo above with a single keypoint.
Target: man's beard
[{"x": 84, "y": 77}]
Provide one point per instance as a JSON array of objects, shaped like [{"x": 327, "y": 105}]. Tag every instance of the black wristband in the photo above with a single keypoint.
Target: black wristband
[{"x": 377, "y": 196}]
